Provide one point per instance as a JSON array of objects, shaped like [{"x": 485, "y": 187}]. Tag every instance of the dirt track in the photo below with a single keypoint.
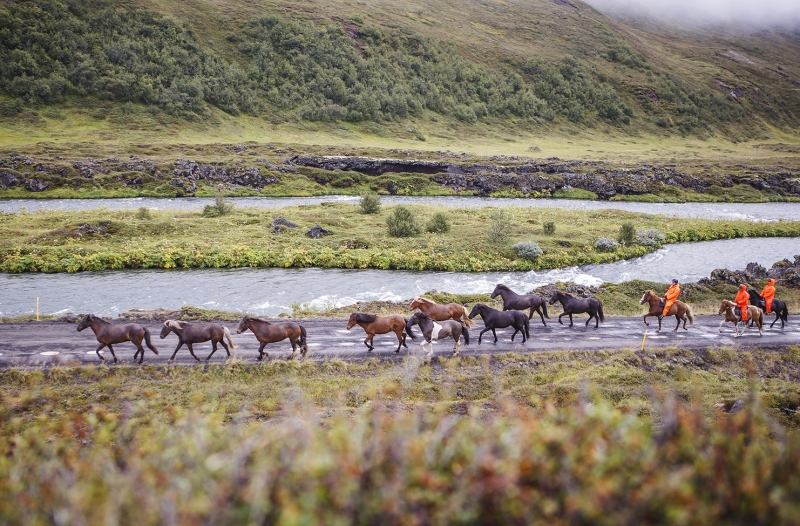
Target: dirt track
[{"x": 33, "y": 343}]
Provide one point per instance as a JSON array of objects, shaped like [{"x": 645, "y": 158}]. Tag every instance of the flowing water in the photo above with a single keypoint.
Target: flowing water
[
  {"x": 743, "y": 211},
  {"x": 272, "y": 291}
]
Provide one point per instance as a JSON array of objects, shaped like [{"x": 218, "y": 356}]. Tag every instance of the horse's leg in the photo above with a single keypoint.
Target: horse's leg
[
  {"x": 645, "y": 319},
  {"x": 677, "y": 325},
  {"x": 559, "y": 318},
  {"x": 570, "y": 319},
  {"x": 225, "y": 346},
  {"x": 400, "y": 339},
  {"x": 721, "y": 324},
  {"x": 596, "y": 320},
  {"x": 495, "y": 335},
  {"x": 213, "y": 349},
  {"x": 110, "y": 348},
  {"x": 180, "y": 342},
  {"x": 368, "y": 341},
  {"x": 481, "y": 334},
  {"x": 515, "y": 333},
  {"x": 141, "y": 350},
  {"x": 457, "y": 346},
  {"x": 98, "y": 351},
  {"x": 261, "y": 352},
  {"x": 189, "y": 345}
]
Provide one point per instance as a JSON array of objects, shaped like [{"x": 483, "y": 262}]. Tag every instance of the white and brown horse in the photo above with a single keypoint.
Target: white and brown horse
[
  {"x": 753, "y": 313},
  {"x": 437, "y": 330},
  {"x": 441, "y": 312}
]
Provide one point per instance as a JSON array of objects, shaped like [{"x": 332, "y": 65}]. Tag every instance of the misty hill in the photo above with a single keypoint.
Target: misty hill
[{"x": 529, "y": 64}]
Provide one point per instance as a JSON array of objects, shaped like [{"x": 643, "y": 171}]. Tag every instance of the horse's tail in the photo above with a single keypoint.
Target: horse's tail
[
  {"x": 544, "y": 308},
  {"x": 784, "y": 314},
  {"x": 228, "y": 337},
  {"x": 303, "y": 340},
  {"x": 689, "y": 315},
  {"x": 147, "y": 340},
  {"x": 527, "y": 326},
  {"x": 465, "y": 332},
  {"x": 468, "y": 322},
  {"x": 600, "y": 311},
  {"x": 408, "y": 329}
]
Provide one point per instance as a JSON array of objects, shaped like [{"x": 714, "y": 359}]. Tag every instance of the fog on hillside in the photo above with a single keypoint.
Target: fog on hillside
[{"x": 704, "y": 12}]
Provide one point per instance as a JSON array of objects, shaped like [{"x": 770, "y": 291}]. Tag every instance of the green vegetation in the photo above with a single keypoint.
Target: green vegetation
[
  {"x": 560, "y": 437},
  {"x": 402, "y": 223},
  {"x": 370, "y": 203},
  {"x": 627, "y": 233},
  {"x": 220, "y": 207},
  {"x": 549, "y": 228},
  {"x": 105, "y": 239},
  {"x": 438, "y": 224}
]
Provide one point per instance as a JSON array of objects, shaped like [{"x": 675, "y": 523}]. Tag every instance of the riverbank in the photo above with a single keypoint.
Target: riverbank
[{"x": 477, "y": 240}]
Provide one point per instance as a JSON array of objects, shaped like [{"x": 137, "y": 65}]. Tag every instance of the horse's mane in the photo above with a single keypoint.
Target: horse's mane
[
  {"x": 420, "y": 299},
  {"x": 420, "y": 314},
  {"x": 753, "y": 293},
  {"x": 365, "y": 318},
  {"x": 501, "y": 286},
  {"x": 262, "y": 320},
  {"x": 174, "y": 324}
]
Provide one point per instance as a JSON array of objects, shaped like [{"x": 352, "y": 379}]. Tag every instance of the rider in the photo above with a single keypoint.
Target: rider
[
  {"x": 669, "y": 298},
  {"x": 742, "y": 300},
  {"x": 768, "y": 293}
]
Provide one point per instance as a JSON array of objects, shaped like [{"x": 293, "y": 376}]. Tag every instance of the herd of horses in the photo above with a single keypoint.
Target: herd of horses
[{"x": 435, "y": 321}]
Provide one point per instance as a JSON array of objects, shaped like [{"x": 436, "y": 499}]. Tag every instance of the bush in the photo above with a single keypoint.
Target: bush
[
  {"x": 627, "y": 233},
  {"x": 402, "y": 223},
  {"x": 220, "y": 208},
  {"x": 143, "y": 213},
  {"x": 606, "y": 244},
  {"x": 370, "y": 203},
  {"x": 650, "y": 238},
  {"x": 549, "y": 228},
  {"x": 439, "y": 224},
  {"x": 500, "y": 223},
  {"x": 528, "y": 250}
]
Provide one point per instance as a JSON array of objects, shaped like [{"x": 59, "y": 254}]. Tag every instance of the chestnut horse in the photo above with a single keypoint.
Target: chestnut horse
[
  {"x": 437, "y": 330},
  {"x": 679, "y": 309},
  {"x": 108, "y": 333},
  {"x": 269, "y": 332},
  {"x": 514, "y": 301},
  {"x": 190, "y": 333},
  {"x": 373, "y": 325},
  {"x": 753, "y": 312},
  {"x": 441, "y": 312}
]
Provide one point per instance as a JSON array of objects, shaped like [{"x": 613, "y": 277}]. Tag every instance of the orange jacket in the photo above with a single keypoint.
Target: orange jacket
[
  {"x": 742, "y": 300},
  {"x": 672, "y": 294},
  {"x": 768, "y": 293}
]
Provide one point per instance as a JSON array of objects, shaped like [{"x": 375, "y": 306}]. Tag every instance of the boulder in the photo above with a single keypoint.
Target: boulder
[
  {"x": 7, "y": 179},
  {"x": 317, "y": 232}
]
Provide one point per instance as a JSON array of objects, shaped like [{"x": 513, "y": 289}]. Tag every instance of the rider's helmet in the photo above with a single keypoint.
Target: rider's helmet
[{"x": 674, "y": 280}]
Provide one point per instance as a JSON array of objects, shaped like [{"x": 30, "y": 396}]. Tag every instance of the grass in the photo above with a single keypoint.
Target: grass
[{"x": 50, "y": 241}]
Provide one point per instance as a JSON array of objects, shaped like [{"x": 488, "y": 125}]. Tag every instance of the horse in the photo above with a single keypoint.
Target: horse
[
  {"x": 437, "y": 330},
  {"x": 108, "y": 333},
  {"x": 373, "y": 325},
  {"x": 441, "y": 312},
  {"x": 779, "y": 307},
  {"x": 753, "y": 312},
  {"x": 269, "y": 332},
  {"x": 679, "y": 309},
  {"x": 514, "y": 301},
  {"x": 573, "y": 305},
  {"x": 495, "y": 319},
  {"x": 190, "y": 333}
]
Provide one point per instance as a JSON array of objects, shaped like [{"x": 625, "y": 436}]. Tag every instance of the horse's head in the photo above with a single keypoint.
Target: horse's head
[
  {"x": 476, "y": 310},
  {"x": 646, "y": 297},
  {"x": 498, "y": 289},
  {"x": 243, "y": 325},
  {"x": 85, "y": 322},
  {"x": 168, "y": 326},
  {"x": 557, "y": 295},
  {"x": 414, "y": 304},
  {"x": 352, "y": 321},
  {"x": 725, "y": 305}
]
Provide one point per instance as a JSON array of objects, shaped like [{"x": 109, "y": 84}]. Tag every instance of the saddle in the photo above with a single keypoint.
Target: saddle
[
  {"x": 662, "y": 303},
  {"x": 762, "y": 305}
]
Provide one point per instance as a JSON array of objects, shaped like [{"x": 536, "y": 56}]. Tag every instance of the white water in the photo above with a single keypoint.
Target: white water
[{"x": 272, "y": 291}]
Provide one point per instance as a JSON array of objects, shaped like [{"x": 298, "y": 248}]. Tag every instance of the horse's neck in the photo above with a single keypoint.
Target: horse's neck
[{"x": 99, "y": 324}]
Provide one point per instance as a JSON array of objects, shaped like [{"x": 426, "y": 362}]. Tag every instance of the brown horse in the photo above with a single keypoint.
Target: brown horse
[
  {"x": 679, "y": 309},
  {"x": 753, "y": 312},
  {"x": 514, "y": 301},
  {"x": 441, "y": 312},
  {"x": 108, "y": 333},
  {"x": 269, "y": 332},
  {"x": 373, "y": 325},
  {"x": 190, "y": 333}
]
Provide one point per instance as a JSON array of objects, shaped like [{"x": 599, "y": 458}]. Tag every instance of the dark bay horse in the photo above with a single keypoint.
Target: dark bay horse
[
  {"x": 190, "y": 333},
  {"x": 441, "y": 312},
  {"x": 108, "y": 333},
  {"x": 778, "y": 307},
  {"x": 495, "y": 319},
  {"x": 373, "y": 325},
  {"x": 437, "y": 330},
  {"x": 271, "y": 332},
  {"x": 729, "y": 309},
  {"x": 514, "y": 301},
  {"x": 679, "y": 309},
  {"x": 573, "y": 305}
]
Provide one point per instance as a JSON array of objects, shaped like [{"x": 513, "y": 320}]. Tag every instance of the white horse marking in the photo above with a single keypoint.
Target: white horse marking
[{"x": 436, "y": 330}]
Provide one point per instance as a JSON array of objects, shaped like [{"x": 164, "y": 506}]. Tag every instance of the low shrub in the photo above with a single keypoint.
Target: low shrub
[
  {"x": 606, "y": 244},
  {"x": 221, "y": 206},
  {"x": 650, "y": 237},
  {"x": 402, "y": 223},
  {"x": 528, "y": 250},
  {"x": 627, "y": 234},
  {"x": 500, "y": 223},
  {"x": 143, "y": 213},
  {"x": 370, "y": 203},
  {"x": 549, "y": 228},
  {"x": 439, "y": 224}
]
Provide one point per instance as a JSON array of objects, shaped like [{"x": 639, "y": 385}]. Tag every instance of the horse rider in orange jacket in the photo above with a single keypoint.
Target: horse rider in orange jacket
[
  {"x": 669, "y": 298},
  {"x": 742, "y": 300},
  {"x": 768, "y": 293}
]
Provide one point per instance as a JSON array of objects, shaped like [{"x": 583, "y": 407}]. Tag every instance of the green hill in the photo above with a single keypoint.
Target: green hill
[{"x": 519, "y": 66}]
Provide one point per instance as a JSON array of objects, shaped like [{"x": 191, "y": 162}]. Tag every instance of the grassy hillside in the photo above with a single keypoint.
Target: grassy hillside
[{"x": 414, "y": 71}]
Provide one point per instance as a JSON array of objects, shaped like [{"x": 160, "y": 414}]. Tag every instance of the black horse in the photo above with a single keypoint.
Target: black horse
[
  {"x": 573, "y": 305},
  {"x": 514, "y": 301},
  {"x": 495, "y": 319},
  {"x": 778, "y": 307}
]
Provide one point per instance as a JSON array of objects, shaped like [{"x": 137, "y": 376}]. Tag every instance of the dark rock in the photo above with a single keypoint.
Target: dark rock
[
  {"x": 280, "y": 224},
  {"x": 35, "y": 185},
  {"x": 317, "y": 232},
  {"x": 737, "y": 406},
  {"x": 7, "y": 179}
]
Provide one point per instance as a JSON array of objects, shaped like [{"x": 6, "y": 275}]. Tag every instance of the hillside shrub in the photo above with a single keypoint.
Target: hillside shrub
[
  {"x": 370, "y": 203},
  {"x": 402, "y": 223},
  {"x": 627, "y": 234},
  {"x": 549, "y": 228},
  {"x": 143, "y": 213},
  {"x": 650, "y": 238},
  {"x": 438, "y": 224},
  {"x": 606, "y": 244},
  {"x": 528, "y": 250},
  {"x": 500, "y": 224},
  {"x": 220, "y": 207}
]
